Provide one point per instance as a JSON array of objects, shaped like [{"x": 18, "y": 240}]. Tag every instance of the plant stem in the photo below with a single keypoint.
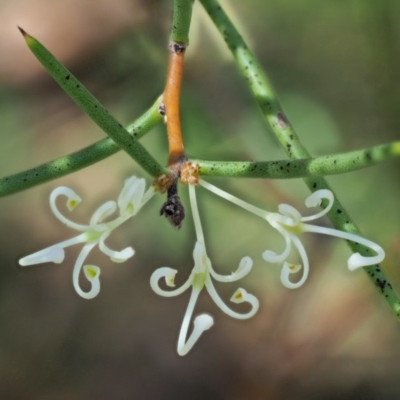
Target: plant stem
[
  {"x": 92, "y": 107},
  {"x": 301, "y": 168},
  {"x": 179, "y": 40},
  {"x": 181, "y": 18},
  {"x": 83, "y": 158},
  {"x": 171, "y": 101},
  {"x": 268, "y": 102}
]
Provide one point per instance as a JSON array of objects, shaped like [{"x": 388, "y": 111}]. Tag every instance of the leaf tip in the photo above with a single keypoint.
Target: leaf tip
[
  {"x": 24, "y": 34},
  {"x": 21, "y": 30}
]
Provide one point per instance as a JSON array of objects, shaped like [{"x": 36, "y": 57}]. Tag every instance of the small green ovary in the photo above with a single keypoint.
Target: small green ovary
[
  {"x": 199, "y": 280},
  {"x": 130, "y": 209},
  {"x": 294, "y": 229},
  {"x": 93, "y": 236}
]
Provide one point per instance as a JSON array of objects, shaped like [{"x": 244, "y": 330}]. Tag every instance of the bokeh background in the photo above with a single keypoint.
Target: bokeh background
[{"x": 336, "y": 67}]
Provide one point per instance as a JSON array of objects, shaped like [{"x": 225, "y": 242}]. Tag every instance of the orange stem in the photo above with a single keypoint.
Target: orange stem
[{"x": 171, "y": 101}]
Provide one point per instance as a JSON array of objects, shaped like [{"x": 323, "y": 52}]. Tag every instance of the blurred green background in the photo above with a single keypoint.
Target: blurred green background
[{"x": 336, "y": 67}]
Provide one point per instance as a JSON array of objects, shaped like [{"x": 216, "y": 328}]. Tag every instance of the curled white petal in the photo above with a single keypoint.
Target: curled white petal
[
  {"x": 169, "y": 275},
  {"x": 273, "y": 257},
  {"x": 315, "y": 200},
  {"x": 201, "y": 323},
  {"x": 94, "y": 291},
  {"x": 293, "y": 216},
  {"x": 130, "y": 198},
  {"x": 104, "y": 211},
  {"x": 289, "y": 269},
  {"x": 244, "y": 268},
  {"x": 245, "y": 265},
  {"x": 119, "y": 256},
  {"x": 241, "y": 296},
  {"x": 72, "y": 200},
  {"x": 53, "y": 254},
  {"x": 218, "y": 301},
  {"x": 92, "y": 274},
  {"x": 356, "y": 260},
  {"x": 116, "y": 256}
]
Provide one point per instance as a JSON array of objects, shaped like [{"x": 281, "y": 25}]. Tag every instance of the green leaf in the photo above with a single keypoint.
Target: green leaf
[{"x": 92, "y": 107}]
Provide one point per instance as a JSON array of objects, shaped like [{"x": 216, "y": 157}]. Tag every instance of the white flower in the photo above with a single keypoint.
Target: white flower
[
  {"x": 200, "y": 277},
  {"x": 130, "y": 200},
  {"x": 289, "y": 223}
]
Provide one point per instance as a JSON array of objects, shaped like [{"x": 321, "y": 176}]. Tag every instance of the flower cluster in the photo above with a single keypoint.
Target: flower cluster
[
  {"x": 130, "y": 201},
  {"x": 288, "y": 222},
  {"x": 200, "y": 277}
]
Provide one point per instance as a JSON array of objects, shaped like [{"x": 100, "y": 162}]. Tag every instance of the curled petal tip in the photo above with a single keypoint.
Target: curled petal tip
[
  {"x": 272, "y": 257},
  {"x": 73, "y": 199},
  {"x": 123, "y": 255},
  {"x": 91, "y": 272},
  {"x": 355, "y": 261},
  {"x": 358, "y": 261},
  {"x": 292, "y": 268},
  {"x": 169, "y": 275},
  {"x": 245, "y": 266},
  {"x": 246, "y": 263},
  {"x": 116, "y": 256},
  {"x": 203, "y": 322},
  {"x": 269, "y": 255},
  {"x": 239, "y": 296},
  {"x": 170, "y": 280},
  {"x": 242, "y": 296},
  {"x": 52, "y": 254},
  {"x": 316, "y": 198},
  {"x": 72, "y": 203},
  {"x": 289, "y": 269},
  {"x": 289, "y": 211},
  {"x": 104, "y": 211}
]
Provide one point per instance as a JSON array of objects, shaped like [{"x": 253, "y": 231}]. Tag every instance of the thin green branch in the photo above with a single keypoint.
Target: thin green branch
[
  {"x": 92, "y": 107},
  {"x": 259, "y": 83},
  {"x": 283, "y": 169},
  {"x": 301, "y": 168},
  {"x": 83, "y": 158},
  {"x": 181, "y": 18},
  {"x": 268, "y": 102}
]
